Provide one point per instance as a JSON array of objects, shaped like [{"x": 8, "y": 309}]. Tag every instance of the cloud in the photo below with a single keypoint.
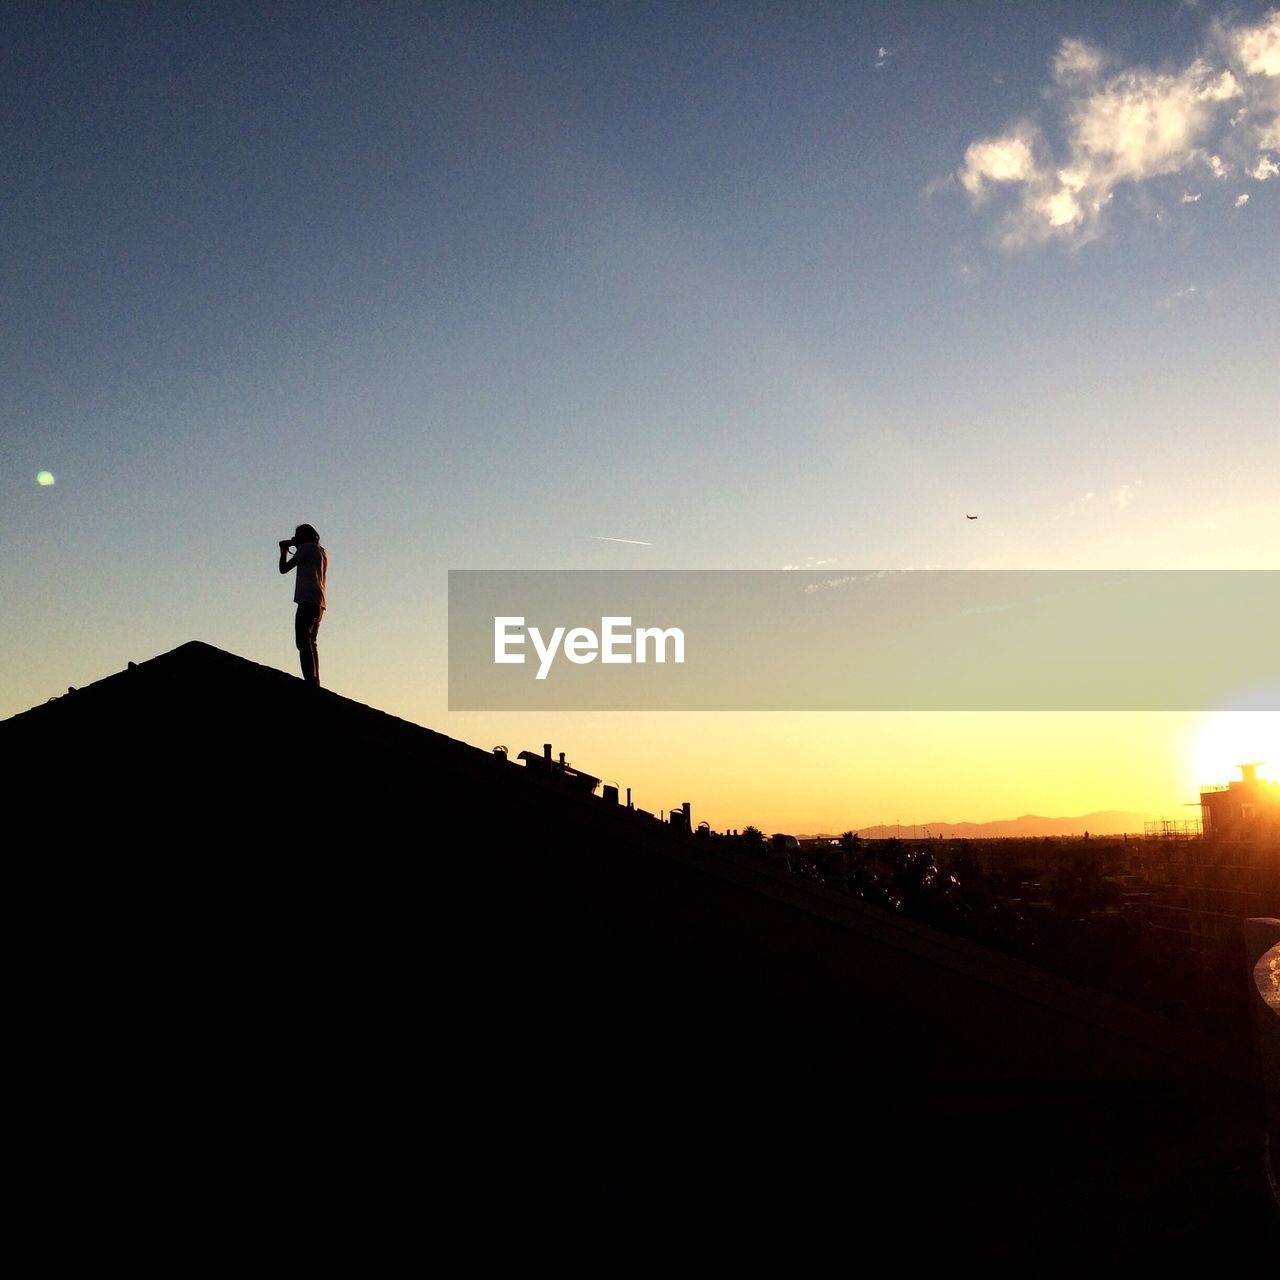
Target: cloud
[
  {"x": 883, "y": 55},
  {"x": 1122, "y": 497},
  {"x": 830, "y": 585},
  {"x": 1127, "y": 494},
  {"x": 1179, "y": 296},
  {"x": 1188, "y": 198},
  {"x": 633, "y": 542},
  {"x": 1242, "y": 200},
  {"x": 1076, "y": 61},
  {"x": 1008, "y": 159},
  {"x": 833, "y": 584},
  {"x": 1264, "y": 169},
  {"x": 1114, "y": 127},
  {"x": 1254, "y": 53},
  {"x": 812, "y": 563},
  {"x": 1258, "y": 48}
]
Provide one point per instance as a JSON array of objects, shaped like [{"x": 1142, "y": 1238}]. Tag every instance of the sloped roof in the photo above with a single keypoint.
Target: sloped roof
[
  {"x": 208, "y": 742},
  {"x": 566, "y": 955}
]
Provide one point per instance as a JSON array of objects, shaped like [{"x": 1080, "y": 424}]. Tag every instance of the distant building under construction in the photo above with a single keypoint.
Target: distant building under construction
[
  {"x": 1233, "y": 872},
  {"x": 1246, "y": 809}
]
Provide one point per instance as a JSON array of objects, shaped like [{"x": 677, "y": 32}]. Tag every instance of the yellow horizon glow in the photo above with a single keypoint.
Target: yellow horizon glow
[{"x": 826, "y": 772}]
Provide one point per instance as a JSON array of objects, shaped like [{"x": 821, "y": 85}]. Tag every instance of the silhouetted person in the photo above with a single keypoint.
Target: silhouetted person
[{"x": 312, "y": 563}]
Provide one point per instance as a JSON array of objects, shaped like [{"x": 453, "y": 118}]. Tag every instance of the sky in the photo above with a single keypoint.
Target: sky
[{"x": 639, "y": 286}]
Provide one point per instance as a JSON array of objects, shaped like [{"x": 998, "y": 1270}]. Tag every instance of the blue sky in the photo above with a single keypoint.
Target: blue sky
[{"x": 476, "y": 286}]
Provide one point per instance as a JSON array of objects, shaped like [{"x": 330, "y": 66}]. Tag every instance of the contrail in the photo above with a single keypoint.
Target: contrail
[{"x": 634, "y": 542}]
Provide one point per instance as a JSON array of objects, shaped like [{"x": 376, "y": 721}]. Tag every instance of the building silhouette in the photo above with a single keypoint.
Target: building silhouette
[
  {"x": 1210, "y": 886},
  {"x": 1247, "y": 808}
]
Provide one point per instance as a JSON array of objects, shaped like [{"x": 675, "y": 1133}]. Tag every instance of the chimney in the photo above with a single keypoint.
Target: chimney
[{"x": 546, "y": 755}]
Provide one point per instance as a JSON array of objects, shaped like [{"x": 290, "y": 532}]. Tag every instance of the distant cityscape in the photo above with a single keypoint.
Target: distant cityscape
[{"x": 1059, "y": 891}]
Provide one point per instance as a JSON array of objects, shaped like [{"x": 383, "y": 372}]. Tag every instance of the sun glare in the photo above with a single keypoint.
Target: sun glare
[{"x": 1228, "y": 738}]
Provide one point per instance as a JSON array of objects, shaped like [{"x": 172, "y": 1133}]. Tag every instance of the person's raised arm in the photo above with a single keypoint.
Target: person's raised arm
[{"x": 285, "y": 563}]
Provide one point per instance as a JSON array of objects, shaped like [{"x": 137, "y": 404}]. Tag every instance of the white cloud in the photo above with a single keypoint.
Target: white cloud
[
  {"x": 1242, "y": 200},
  {"x": 811, "y": 563},
  {"x": 1127, "y": 494},
  {"x": 831, "y": 584},
  {"x": 1258, "y": 48},
  {"x": 1121, "y": 497},
  {"x": 1188, "y": 198},
  {"x": 1076, "y": 60},
  {"x": 1254, "y": 54},
  {"x": 1127, "y": 127},
  {"x": 1007, "y": 159}
]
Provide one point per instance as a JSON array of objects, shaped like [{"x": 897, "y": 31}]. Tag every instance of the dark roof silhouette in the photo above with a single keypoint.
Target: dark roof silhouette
[{"x": 339, "y": 891}]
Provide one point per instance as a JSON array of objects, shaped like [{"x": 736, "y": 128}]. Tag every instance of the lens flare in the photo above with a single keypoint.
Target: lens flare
[{"x": 44, "y": 479}]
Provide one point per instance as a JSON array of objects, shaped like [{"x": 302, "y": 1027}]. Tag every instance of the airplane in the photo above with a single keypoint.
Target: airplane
[{"x": 969, "y": 517}]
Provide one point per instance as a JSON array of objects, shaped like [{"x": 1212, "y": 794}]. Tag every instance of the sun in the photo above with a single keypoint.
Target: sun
[{"x": 1225, "y": 739}]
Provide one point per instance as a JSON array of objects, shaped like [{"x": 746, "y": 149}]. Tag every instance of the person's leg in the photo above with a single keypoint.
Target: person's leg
[
  {"x": 315, "y": 647},
  {"x": 306, "y": 623}
]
